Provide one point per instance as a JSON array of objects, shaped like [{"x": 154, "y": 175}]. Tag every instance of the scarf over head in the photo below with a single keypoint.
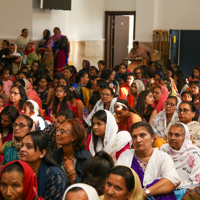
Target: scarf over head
[
  {"x": 15, "y": 51},
  {"x": 186, "y": 160},
  {"x": 31, "y": 51},
  {"x": 30, "y": 181},
  {"x": 89, "y": 190},
  {"x": 113, "y": 140},
  {"x": 139, "y": 85}
]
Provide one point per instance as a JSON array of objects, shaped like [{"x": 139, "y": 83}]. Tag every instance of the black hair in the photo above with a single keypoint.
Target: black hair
[
  {"x": 41, "y": 141},
  {"x": 186, "y": 92},
  {"x": 151, "y": 73},
  {"x": 136, "y": 42},
  {"x": 28, "y": 120},
  {"x": 6, "y": 51},
  {"x": 131, "y": 74},
  {"x": 102, "y": 83},
  {"x": 139, "y": 68},
  {"x": 181, "y": 80},
  {"x": 81, "y": 74},
  {"x": 24, "y": 67},
  {"x": 100, "y": 115},
  {"x": 192, "y": 106},
  {"x": 7, "y": 42},
  {"x": 87, "y": 62},
  {"x": 151, "y": 62},
  {"x": 123, "y": 77},
  {"x": 24, "y": 29},
  {"x": 27, "y": 75},
  {"x": 56, "y": 100},
  {"x": 66, "y": 81},
  {"x": 95, "y": 97},
  {"x": 21, "y": 81},
  {"x": 71, "y": 94},
  {"x": 93, "y": 68},
  {"x": 48, "y": 34},
  {"x": 12, "y": 114},
  {"x": 71, "y": 70},
  {"x": 173, "y": 97},
  {"x": 166, "y": 79},
  {"x": 106, "y": 74},
  {"x": 6, "y": 67},
  {"x": 146, "y": 125},
  {"x": 197, "y": 68},
  {"x": 123, "y": 64},
  {"x": 13, "y": 167},
  {"x": 101, "y": 62},
  {"x": 168, "y": 86},
  {"x": 126, "y": 173},
  {"x": 40, "y": 66},
  {"x": 172, "y": 70},
  {"x": 175, "y": 66},
  {"x": 1, "y": 82},
  {"x": 68, "y": 114},
  {"x": 197, "y": 83},
  {"x": 22, "y": 94},
  {"x": 109, "y": 88},
  {"x": 116, "y": 68}
]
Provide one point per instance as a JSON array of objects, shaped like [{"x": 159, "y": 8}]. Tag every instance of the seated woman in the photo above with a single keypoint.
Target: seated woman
[
  {"x": 29, "y": 55},
  {"x": 31, "y": 109},
  {"x": 7, "y": 118},
  {"x": 140, "y": 74},
  {"x": 22, "y": 125},
  {"x": 125, "y": 116},
  {"x": 158, "y": 98},
  {"x": 144, "y": 106},
  {"x": 186, "y": 115},
  {"x": 69, "y": 74},
  {"x": 17, "y": 97},
  {"x": 106, "y": 102},
  {"x": 186, "y": 157},
  {"x": 122, "y": 70},
  {"x": 96, "y": 169},
  {"x": 18, "y": 181},
  {"x": 105, "y": 135},
  {"x": 155, "y": 168},
  {"x": 135, "y": 88},
  {"x": 72, "y": 155},
  {"x": 166, "y": 117},
  {"x": 127, "y": 180},
  {"x": 80, "y": 191},
  {"x": 192, "y": 193},
  {"x": 101, "y": 66},
  {"x": 36, "y": 152}
]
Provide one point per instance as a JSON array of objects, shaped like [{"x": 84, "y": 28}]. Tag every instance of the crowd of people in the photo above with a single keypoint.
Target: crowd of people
[{"x": 95, "y": 133}]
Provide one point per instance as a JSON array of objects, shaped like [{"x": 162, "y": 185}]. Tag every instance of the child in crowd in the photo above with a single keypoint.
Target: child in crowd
[
  {"x": 1, "y": 103},
  {"x": 122, "y": 79},
  {"x": 186, "y": 96},
  {"x": 3, "y": 93},
  {"x": 122, "y": 70},
  {"x": 195, "y": 73},
  {"x": 101, "y": 66},
  {"x": 194, "y": 89}
]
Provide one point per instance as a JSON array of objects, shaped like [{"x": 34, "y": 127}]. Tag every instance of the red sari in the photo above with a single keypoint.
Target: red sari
[{"x": 30, "y": 181}]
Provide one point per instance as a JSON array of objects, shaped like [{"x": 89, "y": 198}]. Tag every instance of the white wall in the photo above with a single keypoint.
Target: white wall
[
  {"x": 120, "y": 5},
  {"x": 14, "y": 16}
]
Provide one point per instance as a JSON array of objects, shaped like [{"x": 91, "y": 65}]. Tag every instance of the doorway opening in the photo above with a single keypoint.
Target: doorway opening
[{"x": 119, "y": 36}]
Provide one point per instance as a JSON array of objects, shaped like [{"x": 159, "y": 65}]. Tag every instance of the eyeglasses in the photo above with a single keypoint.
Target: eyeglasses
[
  {"x": 169, "y": 104},
  {"x": 105, "y": 94},
  {"x": 183, "y": 110},
  {"x": 20, "y": 125},
  {"x": 62, "y": 131},
  {"x": 59, "y": 91},
  {"x": 15, "y": 93}
]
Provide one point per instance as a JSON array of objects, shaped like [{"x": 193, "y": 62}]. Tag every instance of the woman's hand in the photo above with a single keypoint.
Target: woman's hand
[
  {"x": 68, "y": 165},
  {"x": 53, "y": 118}
]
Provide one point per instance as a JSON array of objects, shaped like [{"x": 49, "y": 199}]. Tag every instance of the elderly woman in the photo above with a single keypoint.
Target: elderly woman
[
  {"x": 155, "y": 168},
  {"x": 186, "y": 157},
  {"x": 105, "y": 135},
  {"x": 186, "y": 114},
  {"x": 166, "y": 117},
  {"x": 127, "y": 180},
  {"x": 22, "y": 125},
  {"x": 125, "y": 116},
  {"x": 23, "y": 39},
  {"x": 80, "y": 191},
  {"x": 71, "y": 157},
  {"x": 29, "y": 55},
  {"x": 18, "y": 181},
  {"x": 106, "y": 102}
]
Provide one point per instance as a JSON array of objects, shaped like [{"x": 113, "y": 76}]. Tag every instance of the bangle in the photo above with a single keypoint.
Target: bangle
[
  {"x": 71, "y": 174},
  {"x": 73, "y": 180}
]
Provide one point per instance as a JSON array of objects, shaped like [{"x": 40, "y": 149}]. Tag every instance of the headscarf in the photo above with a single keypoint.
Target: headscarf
[
  {"x": 159, "y": 106},
  {"x": 30, "y": 181},
  {"x": 113, "y": 140},
  {"x": 160, "y": 120},
  {"x": 15, "y": 51},
  {"x": 28, "y": 86},
  {"x": 137, "y": 191},
  {"x": 186, "y": 160},
  {"x": 31, "y": 51},
  {"x": 89, "y": 190},
  {"x": 55, "y": 37},
  {"x": 139, "y": 85},
  {"x": 36, "y": 107}
]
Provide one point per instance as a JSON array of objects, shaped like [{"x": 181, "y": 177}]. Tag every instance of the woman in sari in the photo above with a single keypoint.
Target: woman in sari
[
  {"x": 125, "y": 116},
  {"x": 155, "y": 168},
  {"x": 125, "y": 178},
  {"x": 29, "y": 54},
  {"x": 23, "y": 39},
  {"x": 45, "y": 46},
  {"x": 61, "y": 55},
  {"x": 185, "y": 155}
]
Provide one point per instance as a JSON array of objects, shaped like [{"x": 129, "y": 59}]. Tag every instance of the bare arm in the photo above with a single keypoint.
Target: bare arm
[
  {"x": 80, "y": 110},
  {"x": 49, "y": 96},
  {"x": 1, "y": 146},
  {"x": 153, "y": 114}
]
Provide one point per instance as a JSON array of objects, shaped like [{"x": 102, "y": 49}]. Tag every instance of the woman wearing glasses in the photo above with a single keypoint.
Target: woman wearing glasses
[
  {"x": 22, "y": 125},
  {"x": 165, "y": 118},
  {"x": 185, "y": 155},
  {"x": 186, "y": 114},
  {"x": 17, "y": 97},
  {"x": 71, "y": 157},
  {"x": 106, "y": 102}
]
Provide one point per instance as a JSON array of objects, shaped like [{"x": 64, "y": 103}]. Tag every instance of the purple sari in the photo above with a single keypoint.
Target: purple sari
[{"x": 138, "y": 169}]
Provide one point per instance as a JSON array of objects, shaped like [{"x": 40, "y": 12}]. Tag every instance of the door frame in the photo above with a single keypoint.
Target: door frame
[{"x": 109, "y": 13}]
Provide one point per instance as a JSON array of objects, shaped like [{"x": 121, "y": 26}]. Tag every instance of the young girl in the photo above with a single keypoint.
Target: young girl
[
  {"x": 31, "y": 109},
  {"x": 7, "y": 84},
  {"x": 44, "y": 92},
  {"x": 1, "y": 103},
  {"x": 194, "y": 89},
  {"x": 63, "y": 81},
  {"x": 136, "y": 87},
  {"x": 195, "y": 73},
  {"x": 60, "y": 102}
]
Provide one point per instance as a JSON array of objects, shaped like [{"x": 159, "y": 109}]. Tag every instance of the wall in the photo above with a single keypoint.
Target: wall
[{"x": 13, "y": 19}]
